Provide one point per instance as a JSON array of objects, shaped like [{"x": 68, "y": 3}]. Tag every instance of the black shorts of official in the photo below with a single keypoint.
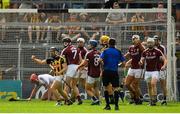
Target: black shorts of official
[{"x": 112, "y": 77}]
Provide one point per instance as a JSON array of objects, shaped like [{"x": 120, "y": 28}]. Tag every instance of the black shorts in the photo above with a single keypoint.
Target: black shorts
[{"x": 110, "y": 77}]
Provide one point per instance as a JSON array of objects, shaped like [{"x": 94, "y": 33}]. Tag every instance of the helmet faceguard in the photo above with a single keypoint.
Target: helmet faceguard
[
  {"x": 93, "y": 44},
  {"x": 66, "y": 41},
  {"x": 104, "y": 39},
  {"x": 80, "y": 42},
  {"x": 53, "y": 51}
]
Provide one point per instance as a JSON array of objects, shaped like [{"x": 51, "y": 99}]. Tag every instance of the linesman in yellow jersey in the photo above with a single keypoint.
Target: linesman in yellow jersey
[{"x": 58, "y": 65}]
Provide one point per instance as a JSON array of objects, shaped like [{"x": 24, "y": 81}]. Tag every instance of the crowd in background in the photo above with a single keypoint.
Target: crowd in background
[{"x": 92, "y": 31}]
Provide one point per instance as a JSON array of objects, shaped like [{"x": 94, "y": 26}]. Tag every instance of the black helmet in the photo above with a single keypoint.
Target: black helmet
[
  {"x": 53, "y": 49},
  {"x": 66, "y": 39}
]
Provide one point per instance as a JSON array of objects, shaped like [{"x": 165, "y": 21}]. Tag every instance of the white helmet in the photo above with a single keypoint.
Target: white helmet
[
  {"x": 80, "y": 40},
  {"x": 150, "y": 39},
  {"x": 155, "y": 36},
  {"x": 136, "y": 36}
]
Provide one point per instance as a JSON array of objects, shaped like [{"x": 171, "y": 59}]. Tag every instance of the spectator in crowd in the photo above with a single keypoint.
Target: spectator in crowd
[
  {"x": 146, "y": 36},
  {"x": 33, "y": 18},
  {"x": 115, "y": 18},
  {"x": 109, "y": 3},
  {"x": 2, "y": 31},
  {"x": 83, "y": 17},
  {"x": 94, "y": 32},
  {"x": 161, "y": 18},
  {"x": 4, "y": 4},
  {"x": 138, "y": 17},
  {"x": 54, "y": 29},
  {"x": 73, "y": 31},
  {"x": 28, "y": 4}
]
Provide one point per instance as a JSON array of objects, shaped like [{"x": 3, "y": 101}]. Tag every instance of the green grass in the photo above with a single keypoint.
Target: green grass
[{"x": 36, "y": 106}]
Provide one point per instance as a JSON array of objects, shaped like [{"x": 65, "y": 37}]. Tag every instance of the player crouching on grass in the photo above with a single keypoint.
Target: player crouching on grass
[
  {"x": 58, "y": 66},
  {"x": 151, "y": 56},
  {"x": 94, "y": 71},
  {"x": 42, "y": 80}
]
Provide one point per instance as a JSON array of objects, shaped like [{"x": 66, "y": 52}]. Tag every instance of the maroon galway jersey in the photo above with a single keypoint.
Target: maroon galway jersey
[
  {"x": 152, "y": 57},
  {"x": 93, "y": 63},
  {"x": 71, "y": 54},
  {"x": 135, "y": 53},
  {"x": 163, "y": 50},
  {"x": 83, "y": 51}
]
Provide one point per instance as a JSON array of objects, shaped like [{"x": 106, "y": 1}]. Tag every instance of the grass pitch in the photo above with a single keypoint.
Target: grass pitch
[{"x": 36, "y": 106}]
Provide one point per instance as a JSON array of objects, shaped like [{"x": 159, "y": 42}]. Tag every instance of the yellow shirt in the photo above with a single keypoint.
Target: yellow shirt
[{"x": 5, "y": 4}]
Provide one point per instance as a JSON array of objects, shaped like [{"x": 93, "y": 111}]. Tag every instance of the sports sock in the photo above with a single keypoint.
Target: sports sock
[
  {"x": 106, "y": 97},
  {"x": 116, "y": 97}
]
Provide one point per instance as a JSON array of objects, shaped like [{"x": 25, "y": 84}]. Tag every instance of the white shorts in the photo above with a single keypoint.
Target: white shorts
[
  {"x": 71, "y": 71},
  {"x": 151, "y": 74},
  {"x": 91, "y": 80},
  {"x": 135, "y": 72},
  {"x": 58, "y": 78},
  {"x": 162, "y": 75},
  {"x": 83, "y": 74}
]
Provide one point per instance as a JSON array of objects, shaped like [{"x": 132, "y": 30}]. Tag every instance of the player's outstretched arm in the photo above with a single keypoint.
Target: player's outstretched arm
[
  {"x": 38, "y": 61},
  {"x": 32, "y": 93}
]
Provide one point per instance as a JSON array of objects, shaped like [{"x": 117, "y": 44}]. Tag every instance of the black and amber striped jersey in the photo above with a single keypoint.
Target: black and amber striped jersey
[{"x": 56, "y": 63}]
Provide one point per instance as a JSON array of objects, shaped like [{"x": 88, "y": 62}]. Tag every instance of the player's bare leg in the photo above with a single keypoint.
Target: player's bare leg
[
  {"x": 152, "y": 89},
  {"x": 82, "y": 82},
  {"x": 128, "y": 82},
  {"x": 96, "y": 88},
  {"x": 149, "y": 91},
  {"x": 30, "y": 34},
  {"x": 58, "y": 86},
  {"x": 67, "y": 85},
  {"x": 137, "y": 90},
  {"x": 48, "y": 95},
  {"x": 75, "y": 90},
  {"x": 91, "y": 92},
  {"x": 37, "y": 34}
]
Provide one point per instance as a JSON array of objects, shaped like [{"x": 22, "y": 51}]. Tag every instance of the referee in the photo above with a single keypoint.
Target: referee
[{"x": 111, "y": 57}]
